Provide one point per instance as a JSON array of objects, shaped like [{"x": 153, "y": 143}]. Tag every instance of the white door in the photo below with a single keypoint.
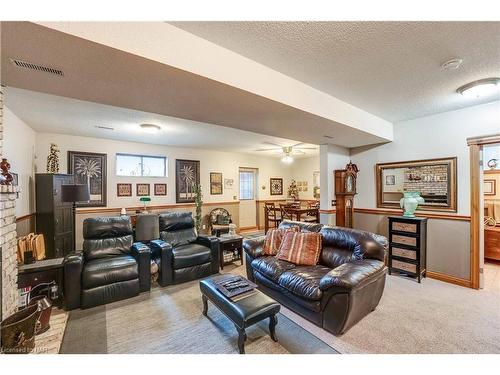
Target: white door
[{"x": 248, "y": 209}]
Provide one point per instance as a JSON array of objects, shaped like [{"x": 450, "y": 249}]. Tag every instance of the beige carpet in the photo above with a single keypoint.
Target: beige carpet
[{"x": 432, "y": 317}]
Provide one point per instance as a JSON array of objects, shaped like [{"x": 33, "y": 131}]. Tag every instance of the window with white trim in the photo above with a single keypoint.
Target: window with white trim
[{"x": 141, "y": 165}]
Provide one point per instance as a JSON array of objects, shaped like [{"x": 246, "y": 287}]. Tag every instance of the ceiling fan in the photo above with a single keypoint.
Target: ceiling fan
[{"x": 287, "y": 151}]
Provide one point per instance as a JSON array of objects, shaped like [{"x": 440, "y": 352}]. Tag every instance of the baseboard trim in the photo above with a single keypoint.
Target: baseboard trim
[
  {"x": 249, "y": 229},
  {"x": 448, "y": 278}
]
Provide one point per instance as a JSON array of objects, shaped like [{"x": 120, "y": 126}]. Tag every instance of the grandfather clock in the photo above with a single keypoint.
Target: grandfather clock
[{"x": 345, "y": 190}]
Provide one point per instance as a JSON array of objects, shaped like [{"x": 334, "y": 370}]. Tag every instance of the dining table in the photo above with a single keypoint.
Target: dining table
[{"x": 296, "y": 214}]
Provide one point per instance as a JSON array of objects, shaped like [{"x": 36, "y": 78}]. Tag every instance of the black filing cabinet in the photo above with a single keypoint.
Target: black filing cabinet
[
  {"x": 408, "y": 246},
  {"x": 54, "y": 218}
]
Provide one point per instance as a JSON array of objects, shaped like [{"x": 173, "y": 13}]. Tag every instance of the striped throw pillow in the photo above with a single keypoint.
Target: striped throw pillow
[
  {"x": 273, "y": 239},
  {"x": 301, "y": 248}
]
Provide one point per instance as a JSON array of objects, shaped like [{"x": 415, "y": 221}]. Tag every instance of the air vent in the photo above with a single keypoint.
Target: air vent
[
  {"x": 104, "y": 127},
  {"x": 40, "y": 68},
  {"x": 328, "y": 136}
]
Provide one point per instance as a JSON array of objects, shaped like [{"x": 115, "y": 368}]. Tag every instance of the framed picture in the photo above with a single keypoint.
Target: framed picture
[
  {"x": 187, "y": 174},
  {"x": 215, "y": 183},
  {"x": 276, "y": 186},
  {"x": 490, "y": 187},
  {"x": 160, "y": 189},
  {"x": 89, "y": 168},
  {"x": 390, "y": 180},
  {"x": 228, "y": 183},
  {"x": 142, "y": 190},
  {"x": 124, "y": 190}
]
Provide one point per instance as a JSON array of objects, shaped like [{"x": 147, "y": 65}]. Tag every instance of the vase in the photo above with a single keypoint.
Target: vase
[{"x": 410, "y": 202}]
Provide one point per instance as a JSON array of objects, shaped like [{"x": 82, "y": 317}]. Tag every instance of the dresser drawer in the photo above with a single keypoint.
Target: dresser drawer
[
  {"x": 405, "y": 240},
  {"x": 404, "y": 227},
  {"x": 404, "y": 253},
  {"x": 404, "y": 266},
  {"x": 230, "y": 245}
]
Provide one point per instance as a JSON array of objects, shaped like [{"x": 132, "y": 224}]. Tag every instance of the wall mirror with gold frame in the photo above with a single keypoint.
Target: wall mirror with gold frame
[{"x": 434, "y": 179}]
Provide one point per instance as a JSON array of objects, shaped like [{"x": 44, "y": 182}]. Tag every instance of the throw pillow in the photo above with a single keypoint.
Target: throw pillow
[
  {"x": 273, "y": 239},
  {"x": 301, "y": 248}
]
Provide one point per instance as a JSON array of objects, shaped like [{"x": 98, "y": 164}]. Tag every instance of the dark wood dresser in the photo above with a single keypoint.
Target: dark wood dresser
[
  {"x": 492, "y": 243},
  {"x": 407, "y": 246}
]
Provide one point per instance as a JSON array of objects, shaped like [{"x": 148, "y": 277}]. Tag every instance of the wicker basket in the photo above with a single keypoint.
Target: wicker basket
[{"x": 18, "y": 331}]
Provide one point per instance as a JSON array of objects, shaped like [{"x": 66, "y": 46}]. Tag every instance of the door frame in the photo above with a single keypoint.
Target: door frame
[
  {"x": 475, "y": 147},
  {"x": 255, "y": 195}
]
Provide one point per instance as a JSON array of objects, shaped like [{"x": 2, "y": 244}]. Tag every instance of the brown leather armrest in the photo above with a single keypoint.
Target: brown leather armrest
[
  {"x": 352, "y": 275},
  {"x": 254, "y": 246}
]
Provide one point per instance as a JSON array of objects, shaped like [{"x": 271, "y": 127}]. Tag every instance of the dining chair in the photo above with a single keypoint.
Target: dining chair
[
  {"x": 271, "y": 217},
  {"x": 286, "y": 214}
]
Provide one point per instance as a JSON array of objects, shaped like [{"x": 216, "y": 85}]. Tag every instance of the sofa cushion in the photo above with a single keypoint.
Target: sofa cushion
[
  {"x": 301, "y": 248},
  {"x": 105, "y": 271},
  {"x": 189, "y": 255},
  {"x": 273, "y": 240},
  {"x": 271, "y": 267},
  {"x": 303, "y": 281}
]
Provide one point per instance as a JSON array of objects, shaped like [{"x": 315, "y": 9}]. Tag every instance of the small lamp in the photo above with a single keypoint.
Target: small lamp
[
  {"x": 145, "y": 201},
  {"x": 75, "y": 193}
]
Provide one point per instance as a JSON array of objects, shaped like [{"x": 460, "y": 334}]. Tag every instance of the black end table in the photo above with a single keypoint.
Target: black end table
[
  {"x": 42, "y": 271},
  {"x": 230, "y": 244}
]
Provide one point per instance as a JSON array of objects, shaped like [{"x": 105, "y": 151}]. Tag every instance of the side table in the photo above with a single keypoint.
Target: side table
[
  {"x": 42, "y": 271},
  {"x": 231, "y": 249}
]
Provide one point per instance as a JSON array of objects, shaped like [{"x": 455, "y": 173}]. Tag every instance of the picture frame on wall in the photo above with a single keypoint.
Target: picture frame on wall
[
  {"x": 216, "y": 183},
  {"x": 187, "y": 174},
  {"x": 90, "y": 168},
  {"x": 490, "y": 187},
  {"x": 276, "y": 185},
  {"x": 142, "y": 190},
  {"x": 390, "y": 180},
  {"x": 124, "y": 190},
  {"x": 160, "y": 189}
]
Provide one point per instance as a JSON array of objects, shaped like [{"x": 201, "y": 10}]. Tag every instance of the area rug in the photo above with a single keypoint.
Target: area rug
[{"x": 169, "y": 320}]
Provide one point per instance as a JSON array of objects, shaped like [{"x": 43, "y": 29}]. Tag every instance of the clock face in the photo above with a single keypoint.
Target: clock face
[{"x": 350, "y": 184}]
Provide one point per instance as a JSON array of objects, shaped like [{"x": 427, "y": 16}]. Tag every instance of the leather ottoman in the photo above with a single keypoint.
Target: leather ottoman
[{"x": 243, "y": 311}]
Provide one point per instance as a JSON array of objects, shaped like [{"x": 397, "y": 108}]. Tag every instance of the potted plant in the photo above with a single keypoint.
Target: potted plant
[{"x": 198, "y": 201}]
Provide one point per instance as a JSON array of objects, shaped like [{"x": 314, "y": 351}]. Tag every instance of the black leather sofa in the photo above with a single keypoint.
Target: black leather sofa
[
  {"x": 111, "y": 267},
  {"x": 345, "y": 286},
  {"x": 180, "y": 253}
]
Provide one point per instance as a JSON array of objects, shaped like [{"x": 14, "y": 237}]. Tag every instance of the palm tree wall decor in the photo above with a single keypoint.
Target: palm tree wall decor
[
  {"x": 187, "y": 174},
  {"x": 89, "y": 168}
]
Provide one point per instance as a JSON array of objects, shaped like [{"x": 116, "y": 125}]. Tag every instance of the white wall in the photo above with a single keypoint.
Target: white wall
[
  {"x": 331, "y": 158},
  {"x": 441, "y": 135},
  {"x": 210, "y": 161},
  {"x": 302, "y": 170},
  {"x": 18, "y": 148}
]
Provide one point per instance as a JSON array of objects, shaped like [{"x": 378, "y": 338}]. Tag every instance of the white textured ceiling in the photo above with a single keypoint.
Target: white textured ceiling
[
  {"x": 391, "y": 69},
  {"x": 57, "y": 114}
]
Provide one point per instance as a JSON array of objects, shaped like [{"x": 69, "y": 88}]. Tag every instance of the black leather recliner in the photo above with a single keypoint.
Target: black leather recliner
[
  {"x": 110, "y": 268},
  {"x": 345, "y": 285},
  {"x": 180, "y": 253}
]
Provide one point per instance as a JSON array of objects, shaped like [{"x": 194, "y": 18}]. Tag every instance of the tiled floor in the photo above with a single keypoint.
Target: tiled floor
[{"x": 492, "y": 276}]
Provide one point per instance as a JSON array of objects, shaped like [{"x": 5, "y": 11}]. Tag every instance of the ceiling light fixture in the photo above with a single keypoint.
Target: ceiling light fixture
[
  {"x": 452, "y": 64},
  {"x": 287, "y": 159},
  {"x": 150, "y": 128},
  {"x": 481, "y": 88}
]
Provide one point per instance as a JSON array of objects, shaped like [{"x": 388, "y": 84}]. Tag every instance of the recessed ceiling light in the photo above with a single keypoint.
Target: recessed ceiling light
[
  {"x": 452, "y": 64},
  {"x": 481, "y": 88},
  {"x": 150, "y": 128}
]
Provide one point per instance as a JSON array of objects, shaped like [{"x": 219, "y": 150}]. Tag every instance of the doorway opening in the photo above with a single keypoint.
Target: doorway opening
[
  {"x": 483, "y": 268},
  {"x": 248, "y": 198},
  {"x": 491, "y": 222}
]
